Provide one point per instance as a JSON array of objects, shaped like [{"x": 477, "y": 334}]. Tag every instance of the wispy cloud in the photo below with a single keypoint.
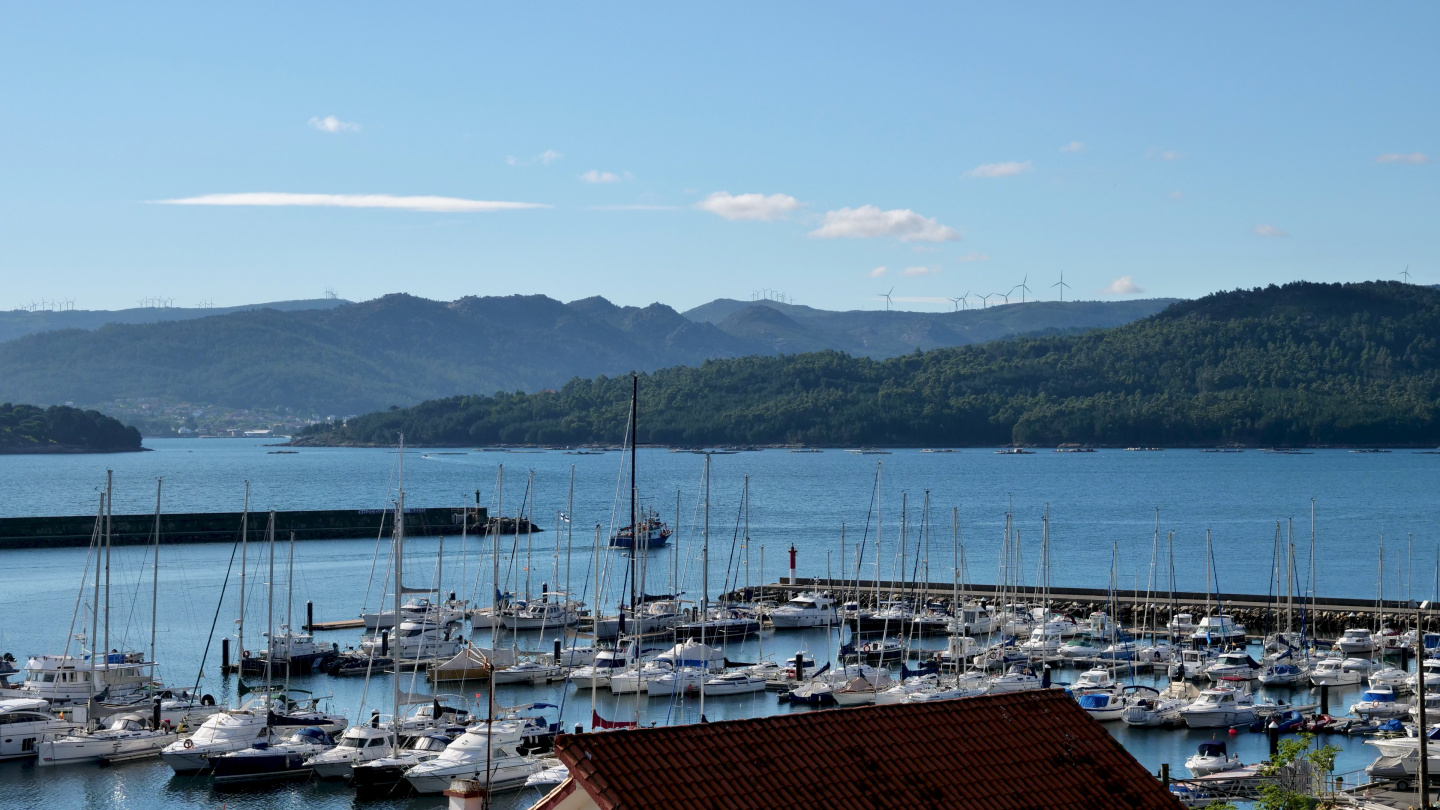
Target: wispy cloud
[
  {"x": 1073, "y": 146},
  {"x": 597, "y": 176},
  {"x": 544, "y": 159},
  {"x": 761, "y": 207},
  {"x": 973, "y": 257},
  {"x": 633, "y": 207},
  {"x": 1007, "y": 169},
  {"x": 868, "y": 221},
  {"x": 451, "y": 205},
  {"x": 1413, "y": 158},
  {"x": 879, "y": 271},
  {"x": 333, "y": 125},
  {"x": 1177, "y": 195},
  {"x": 1268, "y": 231},
  {"x": 1124, "y": 285},
  {"x": 1156, "y": 153},
  {"x": 912, "y": 272}
]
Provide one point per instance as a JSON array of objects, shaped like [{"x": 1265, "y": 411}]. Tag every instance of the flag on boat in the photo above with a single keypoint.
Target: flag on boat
[
  {"x": 596, "y": 721},
  {"x": 564, "y": 518}
]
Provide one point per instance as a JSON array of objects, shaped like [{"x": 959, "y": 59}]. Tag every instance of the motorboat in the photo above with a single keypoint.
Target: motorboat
[
  {"x": 358, "y": 744},
  {"x": 546, "y": 614},
  {"x": 1284, "y": 673},
  {"x": 486, "y": 753},
  {"x": 1393, "y": 677},
  {"x": 881, "y": 650},
  {"x": 679, "y": 681},
  {"x": 1432, "y": 708},
  {"x": 127, "y": 736},
  {"x": 1355, "y": 641},
  {"x": 531, "y": 671},
  {"x": 1019, "y": 678},
  {"x": 264, "y": 762},
  {"x": 1093, "y": 681},
  {"x": 1232, "y": 664},
  {"x": 734, "y": 683},
  {"x": 385, "y": 777},
  {"x": 295, "y": 653},
  {"x": 1430, "y": 671},
  {"x": 417, "y": 609},
  {"x": 223, "y": 732},
  {"x": 607, "y": 662},
  {"x": 693, "y": 654},
  {"x": 912, "y": 685},
  {"x": 958, "y": 650},
  {"x": 1163, "y": 710},
  {"x": 1080, "y": 647},
  {"x": 1102, "y": 706},
  {"x": 1379, "y": 701},
  {"x": 1395, "y": 640},
  {"x": 637, "y": 679},
  {"x": 1218, "y": 629},
  {"x": 1212, "y": 757},
  {"x": 24, "y": 722},
  {"x": 975, "y": 619},
  {"x": 722, "y": 624},
  {"x": 1191, "y": 665},
  {"x": 650, "y": 529},
  {"x": 415, "y": 641},
  {"x": 806, "y": 609},
  {"x": 551, "y": 775},
  {"x": 1220, "y": 707},
  {"x": 1043, "y": 642},
  {"x": 1181, "y": 624},
  {"x": 966, "y": 684},
  {"x": 652, "y": 617},
  {"x": 435, "y": 715},
  {"x": 1408, "y": 744},
  {"x": 64, "y": 679},
  {"x": 1340, "y": 672}
]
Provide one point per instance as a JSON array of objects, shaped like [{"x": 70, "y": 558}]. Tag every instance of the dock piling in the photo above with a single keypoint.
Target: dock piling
[
  {"x": 309, "y": 616},
  {"x": 225, "y": 656},
  {"x": 1325, "y": 699}
]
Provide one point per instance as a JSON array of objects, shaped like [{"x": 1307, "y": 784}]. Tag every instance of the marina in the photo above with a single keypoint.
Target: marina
[{"x": 341, "y": 579}]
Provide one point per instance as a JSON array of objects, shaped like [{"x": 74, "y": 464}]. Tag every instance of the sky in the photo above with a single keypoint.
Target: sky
[{"x": 828, "y": 152}]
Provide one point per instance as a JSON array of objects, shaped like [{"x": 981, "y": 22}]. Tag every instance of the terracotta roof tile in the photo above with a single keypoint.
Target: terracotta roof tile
[{"x": 999, "y": 752}]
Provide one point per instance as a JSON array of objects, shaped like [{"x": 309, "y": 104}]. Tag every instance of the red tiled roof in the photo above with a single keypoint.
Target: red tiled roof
[{"x": 999, "y": 752}]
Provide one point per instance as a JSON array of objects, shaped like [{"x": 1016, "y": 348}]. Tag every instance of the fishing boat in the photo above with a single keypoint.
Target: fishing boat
[
  {"x": 267, "y": 762},
  {"x": 651, "y": 530},
  {"x": 127, "y": 736},
  {"x": 1220, "y": 707},
  {"x": 806, "y": 609},
  {"x": 1212, "y": 757},
  {"x": 24, "y": 722}
]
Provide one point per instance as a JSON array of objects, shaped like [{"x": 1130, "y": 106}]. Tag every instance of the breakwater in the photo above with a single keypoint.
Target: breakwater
[{"x": 220, "y": 527}]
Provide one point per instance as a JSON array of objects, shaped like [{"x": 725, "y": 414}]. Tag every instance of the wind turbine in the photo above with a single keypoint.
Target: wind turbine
[
  {"x": 965, "y": 300},
  {"x": 984, "y": 299},
  {"x": 1006, "y": 295},
  {"x": 1061, "y": 284},
  {"x": 1023, "y": 288},
  {"x": 1406, "y": 273},
  {"x": 886, "y": 296}
]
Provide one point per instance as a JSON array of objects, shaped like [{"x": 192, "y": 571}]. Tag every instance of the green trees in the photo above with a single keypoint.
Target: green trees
[
  {"x": 1303, "y": 364},
  {"x": 28, "y": 429}
]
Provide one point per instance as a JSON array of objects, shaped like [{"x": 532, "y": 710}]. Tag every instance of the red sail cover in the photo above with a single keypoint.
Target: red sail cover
[{"x": 596, "y": 721}]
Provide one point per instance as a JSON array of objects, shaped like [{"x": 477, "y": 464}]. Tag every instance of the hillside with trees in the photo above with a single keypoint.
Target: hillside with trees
[
  {"x": 61, "y": 429},
  {"x": 1303, "y": 364}
]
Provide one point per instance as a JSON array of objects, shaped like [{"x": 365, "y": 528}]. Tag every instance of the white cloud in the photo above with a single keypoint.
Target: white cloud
[
  {"x": 544, "y": 158},
  {"x": 597, "y": 176},
  {"x": 333, "y": 125},
  {"x": 973, "y": 257},
  {"x": 879, "y": 271},
  {"x": 1008, "y": 169},
  {"x": 919, "y": 271},
  {"x": 762, "y": 207},
  {"x": 1073, "y": 146},
  {"x": 1269, "y": 231},
  {"x": 1125, "y": 285},
  {"x": 867, "y": 222},
  {"x": 1163, "y": 154},
  {"x": 277, "y": 198},
  {"x": 1414, "y": 158}
]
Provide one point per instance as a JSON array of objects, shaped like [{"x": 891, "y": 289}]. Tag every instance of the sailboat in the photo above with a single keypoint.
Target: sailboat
[{"x": 649, "y": 531}]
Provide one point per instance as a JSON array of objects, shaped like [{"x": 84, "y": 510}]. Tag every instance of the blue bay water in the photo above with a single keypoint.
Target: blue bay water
[{"x": 1095, "y": 500}]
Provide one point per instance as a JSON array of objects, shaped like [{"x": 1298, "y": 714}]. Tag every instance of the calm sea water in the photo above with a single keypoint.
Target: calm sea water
[{"x": 1097, "y": 502}]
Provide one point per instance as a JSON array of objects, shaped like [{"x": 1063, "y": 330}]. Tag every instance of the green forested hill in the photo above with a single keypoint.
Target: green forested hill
[
  {"x": 1300, "y": 364},
  {"x": 60, "y": 429}
]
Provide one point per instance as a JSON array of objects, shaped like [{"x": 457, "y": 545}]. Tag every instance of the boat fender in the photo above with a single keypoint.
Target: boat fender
[
  {"x": 207, "y": 700},
  {"x": 245, "y": 654},
  {"x": 189, "y": 743}
]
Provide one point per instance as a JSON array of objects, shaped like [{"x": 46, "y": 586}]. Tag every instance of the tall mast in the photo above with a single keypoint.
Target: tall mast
[
  {"x": 879, "y": 531},
  {"x": 95, "y": 605},
  {"x": 495, "y": 557},
  {"x": 1207, "y": 573},
  {"x": 705, "y": 562},
  {"x": 270, "y": 605},
  {"x": 956, "y": 610},
  {"x": 746, "y": 494},
  {"x": 619, "y": 641},
  {"x": 399, "y": 552},
  {"x": 290, "y": 607},
  {"x": 244, "y": 536},
  {"x": 528, "y": 508},
  {"x": 634, "y": 440},
  {"x": 155, "y": 582},
  {"x": 109, "y": 511},
  {"x": 570, "y": 530}
]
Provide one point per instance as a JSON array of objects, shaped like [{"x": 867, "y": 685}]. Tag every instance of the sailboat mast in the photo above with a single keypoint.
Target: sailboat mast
[
  {"x": 289, "y": 606},
  {"x": 634, "y": 527},
  {"x": 705, "y": 561},
  {"x": 495, "y": 557},
  {"x": 529, "y": 510},
  {"x": 1290, "y": 580},
  {"x": 109, "y": 511},
  {"x": 270, "y": 604},
  {"x": 95, "y": 604},
  {"x": 395, "y": 649},
  {"x": 244, "y": 537},
  {"x": 879, "y": 529},
  {"x": 956, "y": 611},
  {"x": 569, "y": 529},
  {"x": 155, "y": 582}
]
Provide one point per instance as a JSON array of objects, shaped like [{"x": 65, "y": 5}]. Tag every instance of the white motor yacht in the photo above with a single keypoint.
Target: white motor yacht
[
  {"x": 1356, "y": 641},
  {"x": 1163, "y": 710},
  {"x": 385, "y": 777},
  {"x": 738, "y": 682},
  {"x": 1379, "y": 701},
  {"x": 221, "y": 733},
  {"x": 416, "y": 609},
  {"x": 1218, "y": 629},
  {"x": 1093, "y": 681},
  {"x": 1393, "y": 677},
  {"x": 1220, "y": 707},
  {"x": 24, "y": 722},
  {"x": 1211, "y": 757},
  {"x": 651, "y": 617},
  {"x": 1042, "y": 642},
  {"x": 682, "y": 681},
  {"x": 1182, "y": 624},
  {"x": 530, "y": 671},
  {"x": 1234, "y": 663},
  {"x": 1430, "y": 670},
  {"x": 597, "y": 674},
  {"x": 66, "y": 679},
  {"x": 808, "y": 609},
  {"x": 1019, "y": 678},
  {"x": 1338, "y": 672},
  {"x": 541, "y": 615},
  {"x": 127, "y": 736},
  {"x": 358, "y": 744},
  {"x": 264, "y": 762},
  {"x": 415, "y": 641},
  {"x": 467, "y": 758},
  {"x": 1191, "y": 665}
]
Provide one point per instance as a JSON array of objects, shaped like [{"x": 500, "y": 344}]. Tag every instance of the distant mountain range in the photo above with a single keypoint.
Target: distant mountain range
[{"x": 330, "y": 357}]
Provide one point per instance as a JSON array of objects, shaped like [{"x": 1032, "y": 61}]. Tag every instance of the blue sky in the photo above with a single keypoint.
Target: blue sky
[{"x": 684, "y": 152}]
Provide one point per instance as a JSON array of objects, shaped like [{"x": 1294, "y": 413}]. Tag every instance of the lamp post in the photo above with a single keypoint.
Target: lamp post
[{"x": 1424, "y": 768}]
